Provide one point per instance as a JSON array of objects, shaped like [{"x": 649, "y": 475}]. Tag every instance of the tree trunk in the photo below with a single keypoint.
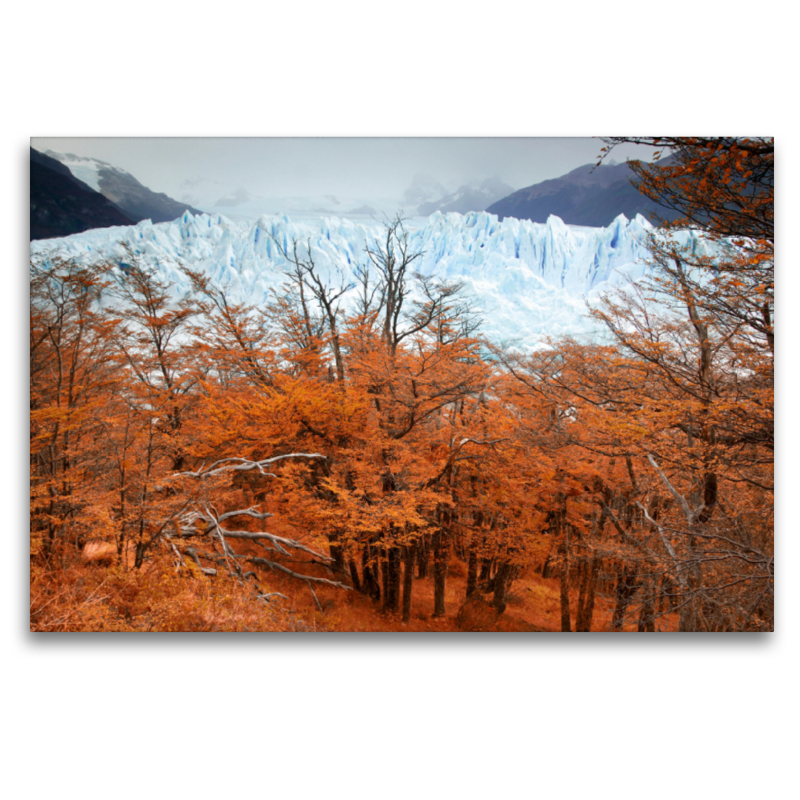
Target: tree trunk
[
  {"x": 647, "y": 621},
  {"x": 500, "y": 599},
  {"x": 689, "y": 600},
  {"x": 472, "y": 569},
  {"x": 370, "y": 584},
  {"x": 566, "y": 624},
  {"x": 336, "y": 553},
  {"x": 391, "y": 580},
  {"x": 666, "y": 597},
  {"x": 384, "y": 579},
  {"x": 583, "y": 621},
  {"x": 141, "y": 549},
  {"x": 547, "y": 567},
  {"x": 688, "y": 616},
  {"x": 354, "y": 574},
  {"x": 121, "y": 548},
  {"x": 423, "y": 551},
  {"x": 626, "y": 586},
  {"x": 440, "y": 553},
  {"x": 408, "y": 579}
]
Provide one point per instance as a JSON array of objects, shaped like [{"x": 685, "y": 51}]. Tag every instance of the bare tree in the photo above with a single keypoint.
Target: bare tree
[{"x": 307, "y": 282}]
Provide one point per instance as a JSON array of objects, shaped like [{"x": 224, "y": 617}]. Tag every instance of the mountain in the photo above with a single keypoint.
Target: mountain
[
  {"x": 528, "y": 279},
  {"x": 423, "y": 189},
  {"x": 588, "y": 195},
  {"x": 121, "y": 188},
  {"x": 468, "y": 197},
  {"x": 62, "y": 205}
]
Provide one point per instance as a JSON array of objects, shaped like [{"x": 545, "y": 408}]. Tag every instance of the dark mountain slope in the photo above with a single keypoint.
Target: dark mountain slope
[
  {"x": 588, "y": 195},
  {"x": 136, "y": 200},
  {"x": 62, "y": 205}
]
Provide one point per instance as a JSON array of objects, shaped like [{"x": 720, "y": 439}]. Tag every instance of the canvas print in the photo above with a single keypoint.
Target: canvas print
[{"x": 398, "y": 384}]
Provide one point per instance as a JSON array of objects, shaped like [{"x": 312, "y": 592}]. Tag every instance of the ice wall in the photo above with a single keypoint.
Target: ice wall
[{"x": 529, "y": 279}]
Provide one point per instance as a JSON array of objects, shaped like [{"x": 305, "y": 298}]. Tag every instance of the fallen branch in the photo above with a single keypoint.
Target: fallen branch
[
  {"x": 274, "y": 565},
  {"x": 194, "y": 556},
  {"x": 244, "y": 465},
  {"x": 265, "y": 597},
  {"x": 212, "y": 520},
  {"x": 316, "y": 599}
]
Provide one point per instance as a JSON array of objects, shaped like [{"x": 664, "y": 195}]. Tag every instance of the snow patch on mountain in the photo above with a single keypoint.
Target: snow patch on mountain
[{"x": 83, "y": 168}]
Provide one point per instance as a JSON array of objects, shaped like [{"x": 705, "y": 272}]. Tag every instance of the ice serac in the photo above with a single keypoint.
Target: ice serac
[{"x": 529, "y": 279}]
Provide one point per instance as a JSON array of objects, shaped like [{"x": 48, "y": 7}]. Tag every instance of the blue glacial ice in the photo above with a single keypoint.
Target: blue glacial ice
[{"x": 529, "y": 280}]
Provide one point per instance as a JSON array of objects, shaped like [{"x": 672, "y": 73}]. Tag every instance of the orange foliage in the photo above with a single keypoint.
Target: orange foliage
[{"x": 201, "y": 465}]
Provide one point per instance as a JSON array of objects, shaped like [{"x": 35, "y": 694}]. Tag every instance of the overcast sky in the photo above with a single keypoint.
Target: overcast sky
[{"x": 350, "y": 167}]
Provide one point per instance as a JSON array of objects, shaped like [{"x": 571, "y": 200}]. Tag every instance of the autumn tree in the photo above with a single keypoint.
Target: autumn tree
[
  {"x": 353, "y": 433},
  {"x": 415, "y": 355},
  {"x": 686, "y": 396},
  {"x": 403, "y": 362},
  {"x": 73, "y": 369},
  {"x": 722, "y": 185}
]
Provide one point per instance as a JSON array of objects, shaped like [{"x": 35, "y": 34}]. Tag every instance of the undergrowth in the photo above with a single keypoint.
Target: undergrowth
[{"x": 155, "y": 598}]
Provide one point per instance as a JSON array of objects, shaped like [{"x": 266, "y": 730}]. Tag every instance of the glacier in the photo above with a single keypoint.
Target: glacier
[{"x": 528, "y": 280}]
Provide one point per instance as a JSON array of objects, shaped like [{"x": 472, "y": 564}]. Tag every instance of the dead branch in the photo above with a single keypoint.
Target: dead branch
[
  {"x": 244, "y": 465},
  {"x": 274, "y": 565}
]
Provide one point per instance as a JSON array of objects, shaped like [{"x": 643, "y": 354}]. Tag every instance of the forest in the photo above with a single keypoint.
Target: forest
[{"x": 207, "y": 466}]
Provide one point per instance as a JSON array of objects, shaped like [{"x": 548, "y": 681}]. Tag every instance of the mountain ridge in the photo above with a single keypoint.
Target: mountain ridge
[
  {"x": 131, "y": 196},
  {"x": 62, "y": 204},
  {"x": 468, "y": 197},
  {"x": 589, "y": 195}
]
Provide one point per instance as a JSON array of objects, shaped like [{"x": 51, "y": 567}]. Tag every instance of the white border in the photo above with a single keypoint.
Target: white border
[{"x": 394, "y": 716}]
